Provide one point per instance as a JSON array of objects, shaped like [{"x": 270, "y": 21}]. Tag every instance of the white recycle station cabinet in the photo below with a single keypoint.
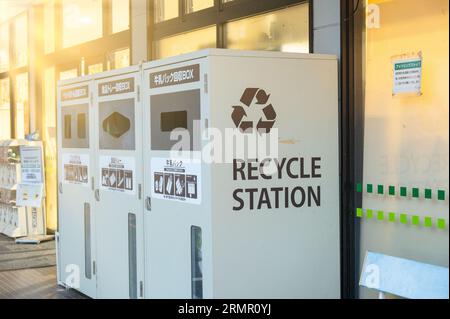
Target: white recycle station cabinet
[{"x": 140, "y": 220}]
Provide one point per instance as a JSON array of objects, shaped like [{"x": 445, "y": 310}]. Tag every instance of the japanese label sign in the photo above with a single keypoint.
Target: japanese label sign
[
  {"x": 176, "y": 180},
  {"x": 76, "y": 93},
  {"x": 116, "y": 87},
  {"x": 183, "y": 75}
]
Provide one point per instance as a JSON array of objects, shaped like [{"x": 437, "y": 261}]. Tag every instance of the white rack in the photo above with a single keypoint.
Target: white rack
[{"x": 16, "y": 221}]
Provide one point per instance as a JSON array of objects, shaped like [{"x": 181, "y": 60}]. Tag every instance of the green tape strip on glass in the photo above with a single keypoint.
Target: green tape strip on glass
[
  {"x": 427, "y": 221},
  {"x": 414, "y": 192}
]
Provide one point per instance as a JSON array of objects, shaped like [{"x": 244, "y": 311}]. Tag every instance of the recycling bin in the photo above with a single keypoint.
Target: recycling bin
[
  {"x": 100, "y": 207},
  {"x": 223, "y": 221},
  {"x": 118, "y": 205},
  {"x": 75, "y": 237}
]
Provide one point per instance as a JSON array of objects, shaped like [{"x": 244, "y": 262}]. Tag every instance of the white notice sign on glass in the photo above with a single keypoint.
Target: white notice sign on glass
[
  {"x": 407, "y": 76},
  {"x": 31, "y": 164}
]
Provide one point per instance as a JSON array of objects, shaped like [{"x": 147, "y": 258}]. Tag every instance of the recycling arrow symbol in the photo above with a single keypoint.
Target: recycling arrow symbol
[{"x": 253, "y": 97}]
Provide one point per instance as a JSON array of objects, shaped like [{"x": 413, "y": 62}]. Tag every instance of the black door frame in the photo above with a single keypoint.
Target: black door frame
[{"x": 351, "y": 141}]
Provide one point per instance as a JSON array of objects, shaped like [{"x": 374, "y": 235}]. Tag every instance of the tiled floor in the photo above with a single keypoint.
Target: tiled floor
[
  {"x": 37, "y": 283},
  {"x": 26, "y": 256}
]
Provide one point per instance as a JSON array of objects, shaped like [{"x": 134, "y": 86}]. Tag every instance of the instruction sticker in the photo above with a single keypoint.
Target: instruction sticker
[
  {"x": 76, "y": 169},
  {"x": 31, "y": 164},
  {"x": 29, "y": 195},
  {"x": 176, "y": 180},
  {"x": 117, "y": 174},
  {"x": 407, "y": 76}
]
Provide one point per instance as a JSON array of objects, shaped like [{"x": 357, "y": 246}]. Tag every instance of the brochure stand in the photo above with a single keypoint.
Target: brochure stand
[{"x": 22, "y": 189}]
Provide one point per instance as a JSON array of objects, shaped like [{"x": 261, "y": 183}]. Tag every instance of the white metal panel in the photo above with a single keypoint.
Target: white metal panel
[
  {"x": 72, "y": 199},
  {"x": 121, "y": 195},
  {"x": 271, "y": 253},
  {"x": 168, "y": 223},
  {"x": 279, "y": 252}
]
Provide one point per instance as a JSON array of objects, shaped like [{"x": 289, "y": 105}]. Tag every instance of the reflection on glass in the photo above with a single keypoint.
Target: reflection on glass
[
  {"x": 165, "y": 10},
  {"x": 121, "y": 58},
  {"x": 21, "y": 41},
  {"x": 197, "y": 5},
  {"x": 49, "y": 27},
  {"x": 68, "y": 74},
  {"x": 4, "y": 47},
  {"x": 187, "y": 42},
  {"x": 285, "y": 30},
  {"x": 95, "y": 68},
  {"x": 82, "y": 21},
  {"x": 5, "y": 113},
  {"x": 120, "y": 15},
  {"x": 22, "y": 107}
]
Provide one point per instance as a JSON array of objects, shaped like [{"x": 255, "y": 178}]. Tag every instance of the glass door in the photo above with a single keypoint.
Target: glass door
[{"x": 402, "y": 194}]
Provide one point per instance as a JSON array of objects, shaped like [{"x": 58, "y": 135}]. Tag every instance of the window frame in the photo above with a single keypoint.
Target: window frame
[
  {"x": 94, "y": 51},
  {"x": 91, "y": 49},
  {"x": 8, "y": 24},
  {"x": 12, "y": 72},
  {"x": 218, "y": 15},
  {"x": 60, "y": 57}
]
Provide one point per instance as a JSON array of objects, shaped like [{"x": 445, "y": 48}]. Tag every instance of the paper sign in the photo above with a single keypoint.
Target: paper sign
[
  {"x": 176, "y": 180},
  {"x": 31, "y": 164},
  {"x": 29, "y": 195},
  {"x": 76, "y": 169},
  {"x": 118, "y": 174},
  {"x": 407, "y": 76}
]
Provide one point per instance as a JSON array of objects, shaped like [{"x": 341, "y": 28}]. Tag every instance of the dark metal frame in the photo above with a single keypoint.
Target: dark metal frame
[
  {"x": 218, "y": 15},
  {"x": 352, "y": 142}
]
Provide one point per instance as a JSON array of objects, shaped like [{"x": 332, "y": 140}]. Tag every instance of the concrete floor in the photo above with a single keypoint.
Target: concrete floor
[{"x": 36, "y": 283}]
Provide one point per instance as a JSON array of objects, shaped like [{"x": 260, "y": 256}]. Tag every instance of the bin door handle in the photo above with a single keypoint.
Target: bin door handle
[
  {"x": 141, "y": 289},
  {"x": 60, "y": 188},
  {"x": 97, "y": 195},
  {"x": 148, "y": 203}
]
